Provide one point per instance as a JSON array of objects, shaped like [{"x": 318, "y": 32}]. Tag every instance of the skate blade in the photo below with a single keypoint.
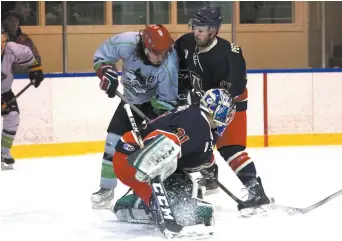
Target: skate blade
[
  {"x": 261, "y": 211},
  {"x": 5, "y": 167},
  {"x": 210, "y": 192},
  {"x": 102, "y": 205}
]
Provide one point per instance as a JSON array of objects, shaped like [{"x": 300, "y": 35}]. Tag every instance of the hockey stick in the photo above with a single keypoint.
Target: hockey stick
[
  {"x": 165, "y": 218},
  {"x": 287, "y": 209},
  {"x": 19, "y": 94},
  {"x": 136, "y": 109},
  {"x": 229, "y": 193},
  {"x": 294, "y": 210}
]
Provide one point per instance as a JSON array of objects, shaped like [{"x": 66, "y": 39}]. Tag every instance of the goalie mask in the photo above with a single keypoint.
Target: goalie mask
[
  {"x": 157, "y": 43},
  {"x": 218, "y": 103}
]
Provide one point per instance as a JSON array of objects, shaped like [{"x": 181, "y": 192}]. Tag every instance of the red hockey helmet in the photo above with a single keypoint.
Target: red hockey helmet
[{"x": 157, "y": 38}]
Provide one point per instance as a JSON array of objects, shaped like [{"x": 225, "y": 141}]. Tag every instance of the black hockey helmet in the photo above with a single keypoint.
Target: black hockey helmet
[
  {"x": 207, "y": 16},
  {"x": 13, "y": 14}
]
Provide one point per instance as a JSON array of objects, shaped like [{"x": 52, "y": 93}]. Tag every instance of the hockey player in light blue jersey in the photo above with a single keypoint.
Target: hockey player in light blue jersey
[{"x": 150, "y": 81}]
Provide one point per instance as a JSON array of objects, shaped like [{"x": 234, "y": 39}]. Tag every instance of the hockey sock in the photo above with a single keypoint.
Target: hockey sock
[{"x": 10, "y": 127}]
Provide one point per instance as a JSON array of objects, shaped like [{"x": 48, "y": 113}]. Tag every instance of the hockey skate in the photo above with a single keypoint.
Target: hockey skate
[
  {"x": 7, "y": 161},
  {"x": 102, "y": 199},
  {"x": 257, "y": 201},
  {"x": 207, "y": 183}
]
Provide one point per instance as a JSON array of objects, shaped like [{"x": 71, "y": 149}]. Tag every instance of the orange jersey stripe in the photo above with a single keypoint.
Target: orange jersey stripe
[
  {"x": 128, "y": 137},
  {"x": 241, "y": 97}
]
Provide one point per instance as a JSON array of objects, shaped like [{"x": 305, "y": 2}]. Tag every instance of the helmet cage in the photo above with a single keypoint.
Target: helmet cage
[{"x": 219, "y": 104}]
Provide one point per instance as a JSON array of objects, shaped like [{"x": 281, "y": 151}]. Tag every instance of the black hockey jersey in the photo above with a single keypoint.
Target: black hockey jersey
[
  {"x": 193, "y": 131},
  {"x": 207, "y": 69}
]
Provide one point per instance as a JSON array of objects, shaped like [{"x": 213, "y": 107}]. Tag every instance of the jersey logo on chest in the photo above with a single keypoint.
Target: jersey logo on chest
[{"x": 136, "y": 82}]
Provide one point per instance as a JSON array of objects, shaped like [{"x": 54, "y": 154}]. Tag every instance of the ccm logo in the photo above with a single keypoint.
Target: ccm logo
[
  {"x": 166, "y": 154},
  {"x": 163, "y": 203}
]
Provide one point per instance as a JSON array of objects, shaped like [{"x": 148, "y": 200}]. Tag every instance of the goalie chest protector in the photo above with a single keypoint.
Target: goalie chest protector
[{"x": 193, "y": 131}]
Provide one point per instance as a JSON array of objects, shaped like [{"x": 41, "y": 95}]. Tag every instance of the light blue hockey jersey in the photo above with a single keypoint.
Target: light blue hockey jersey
[{"x": 142, "y": 83}]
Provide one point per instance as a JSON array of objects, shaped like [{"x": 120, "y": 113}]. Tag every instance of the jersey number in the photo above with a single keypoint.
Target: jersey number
[
  {"x": 235, "y": 48},
  {"x": 181, "y": 135}
]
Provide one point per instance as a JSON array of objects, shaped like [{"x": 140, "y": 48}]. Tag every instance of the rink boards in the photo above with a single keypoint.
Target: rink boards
[{"x": 69, "y": 114}]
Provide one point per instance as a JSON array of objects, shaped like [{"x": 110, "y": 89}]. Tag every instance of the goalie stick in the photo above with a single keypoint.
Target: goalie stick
[{"x": 163, "y": 212}]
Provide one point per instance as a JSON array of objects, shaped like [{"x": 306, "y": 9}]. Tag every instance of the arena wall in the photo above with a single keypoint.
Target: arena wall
[{"x": 68, "y": 114}]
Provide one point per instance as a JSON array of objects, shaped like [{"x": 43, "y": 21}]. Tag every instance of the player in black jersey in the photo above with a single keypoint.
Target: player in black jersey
[
  {"x": 208, "y": 61},
  {"x": 176, "y": 143}
]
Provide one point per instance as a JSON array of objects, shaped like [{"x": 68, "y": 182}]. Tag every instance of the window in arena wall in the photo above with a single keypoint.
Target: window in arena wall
[
  {"x": 78, "y": 13},
  {"x": 27, "y": 10},
  {"x": 134, "y": 12},
  {"x": 185, "y": 10},
  {"x": 266, "y": 12}
]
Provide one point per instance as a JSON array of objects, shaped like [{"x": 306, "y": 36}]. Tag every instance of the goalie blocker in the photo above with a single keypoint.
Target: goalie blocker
[{"x": 163, "y": 191}]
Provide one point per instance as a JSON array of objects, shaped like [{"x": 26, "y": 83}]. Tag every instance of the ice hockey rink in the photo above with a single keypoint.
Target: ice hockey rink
[{"x": 49, "y": 199}]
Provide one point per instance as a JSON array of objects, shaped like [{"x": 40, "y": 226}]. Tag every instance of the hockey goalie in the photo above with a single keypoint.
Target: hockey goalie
[{"x": 175, "y": 144}]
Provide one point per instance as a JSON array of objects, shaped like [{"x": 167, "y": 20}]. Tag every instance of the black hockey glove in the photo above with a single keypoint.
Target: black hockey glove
[
  {"x": 36, "y": 74},
  {"x": 189, "y": 97},
  {"x": 109, "y": 79},
  {"x": 196, "y": 96},
  {"x": 4, "y": 107}
]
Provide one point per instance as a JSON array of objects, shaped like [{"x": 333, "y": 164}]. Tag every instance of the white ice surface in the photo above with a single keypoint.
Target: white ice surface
[{"x": 49, "y": 199}]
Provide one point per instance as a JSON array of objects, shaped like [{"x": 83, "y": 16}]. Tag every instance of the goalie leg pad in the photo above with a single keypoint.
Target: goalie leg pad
[
  {"x": 183, "y": 193},
  {"x": 130, "y": 208},
  {"x": 178, "y": 213},
  {"x": 126, "y": 174},
  {"x": 157, "y": 158}
]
